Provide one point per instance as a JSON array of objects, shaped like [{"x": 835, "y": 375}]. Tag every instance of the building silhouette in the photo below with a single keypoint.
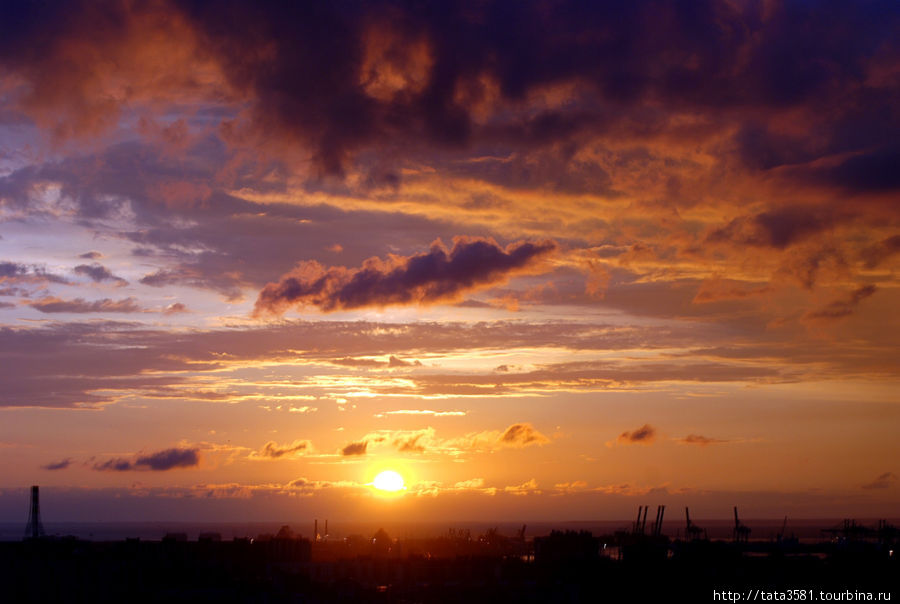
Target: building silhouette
[{"x": 35, "y": 528}]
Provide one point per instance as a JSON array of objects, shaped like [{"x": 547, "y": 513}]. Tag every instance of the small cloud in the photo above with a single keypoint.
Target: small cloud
[
  {"x": 97, "y": 273},
  {"x": 91, "y": 255},
  {"x": 58, "y": 465},
  {"x": 303, "y": 409},
  {"x": 643, "y": 436},
  {"x": 525, "y": 488},
  {"x": 701, "y": 441},
  {"x": 410, "y": 444},
  {"x": 272, "y": 450},
  {"x": 883, "y": 481},
  {"x": 337, "y": 248},
  {"x": 575, "y": 485},
  {"x": 473, "y": 483},
  {"x": 175, "y": 308},
  {"x": 522, "y": 435},
  {"x": 355, "y": 449},
  {"x": 395, "y": 362}
]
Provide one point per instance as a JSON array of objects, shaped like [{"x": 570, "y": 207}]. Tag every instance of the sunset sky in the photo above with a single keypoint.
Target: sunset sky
[{"x": 545, "y": 259}]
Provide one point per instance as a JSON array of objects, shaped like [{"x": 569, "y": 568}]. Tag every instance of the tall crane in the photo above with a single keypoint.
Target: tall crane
[
  {"x": 657, "y": 525},
  {"x": 783, "y": 529},
  {"x": 691, "y": 531}
]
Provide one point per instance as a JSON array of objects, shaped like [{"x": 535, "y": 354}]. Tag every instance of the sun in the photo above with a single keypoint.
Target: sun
[{"x": 388, "y": 481}]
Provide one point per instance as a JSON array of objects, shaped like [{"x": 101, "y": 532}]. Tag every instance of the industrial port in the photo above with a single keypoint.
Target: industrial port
[{"x": 637, "y": 563}]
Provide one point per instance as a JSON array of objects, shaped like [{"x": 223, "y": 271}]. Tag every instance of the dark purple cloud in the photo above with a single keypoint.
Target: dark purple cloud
[
  {"x": 168, "y": 459},
  {"x": 97, "y": 273},
  {"x": 342, "y": 79},
  {"x": 12, "y": 269},
  {"x": 777, "y": 228},
  {"x": 431, "y": 277},
  {"x": 15, "y": 272},
  {"x": 58, "y": 465},
  {"x": 80, "y": 305},
  {"x": 114, "y": 465},
  {"x": 705, "y": 56},
  {"x": 869, "y": 170}
]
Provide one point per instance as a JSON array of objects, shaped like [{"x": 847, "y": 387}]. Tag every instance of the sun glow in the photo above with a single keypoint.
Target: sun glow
[{"x": 388, "y": 481}]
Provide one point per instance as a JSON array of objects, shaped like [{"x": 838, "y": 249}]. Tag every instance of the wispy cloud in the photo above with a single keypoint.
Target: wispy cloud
[
  {"x": 272, "y": 450},
  {"x": 80, "y": 305},
  {"x": 422, "y": 412},
  {"x": 700, "y": 440}
]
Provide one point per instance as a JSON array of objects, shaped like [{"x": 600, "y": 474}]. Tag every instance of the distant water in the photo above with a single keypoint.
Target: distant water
[{"x": 761, "y": 530}]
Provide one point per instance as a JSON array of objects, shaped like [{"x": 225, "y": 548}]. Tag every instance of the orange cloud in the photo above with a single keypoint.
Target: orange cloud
[
  {"x": 357, "y": 448},
  {"x": 522, "y": 435}
]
